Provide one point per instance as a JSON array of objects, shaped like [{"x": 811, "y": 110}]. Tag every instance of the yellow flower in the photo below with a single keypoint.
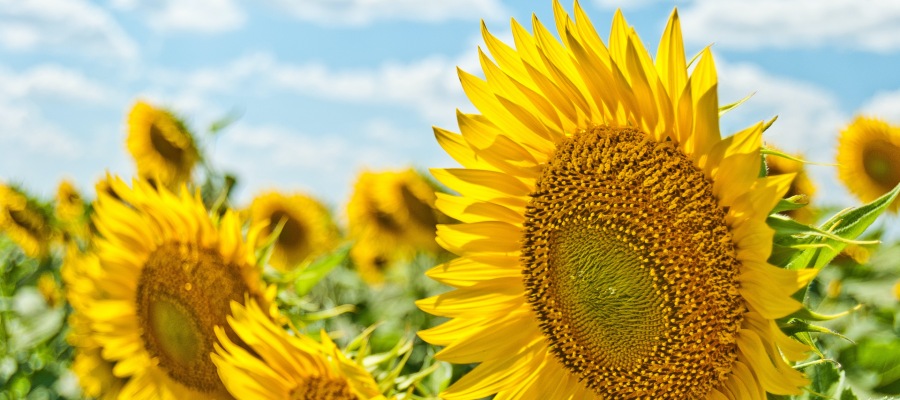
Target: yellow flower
[
  {"x": 271, "y": 364},
  {"x": 24, "y": 222},
  {"x": 95, "y": 374},
  {"x": 69, "y": 204},
  {"x": 161, "y": 145},
  {"x": 391, "y": 215},
  {"x": 612, "y": 244},
  {"x": 308, "y": 228},
  {"x": 868, "y": 158},
  {"x": 801, "y": 184},
  {"x": 170, "y": 272}
]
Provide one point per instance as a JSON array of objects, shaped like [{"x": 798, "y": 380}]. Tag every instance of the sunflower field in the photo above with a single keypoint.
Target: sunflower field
[{"x": 599, "y": 239}]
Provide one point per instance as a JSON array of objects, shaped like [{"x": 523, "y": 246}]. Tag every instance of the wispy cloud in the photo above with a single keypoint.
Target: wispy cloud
[
  {"x": 870, "y": 26},
  {"x": 75, "y": 26},
  {"x": 429, "y": 86},
  {"x": 269, "y": 155},
  {"x": 201, "y": 16},
  {"x": 365, "y": 12},
  {"x": 52, "y": 81},
  {"x": 885, "y": 105}
]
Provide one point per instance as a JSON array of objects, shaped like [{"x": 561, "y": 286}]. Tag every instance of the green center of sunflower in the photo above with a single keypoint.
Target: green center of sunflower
[
  {"x": 182, "y": 294},
  {"x": 164, "y": 147},
  {"x": 630, "y": 267},
  {"x": 322, "y": 388},
  {"x": 881, "y": 161}
]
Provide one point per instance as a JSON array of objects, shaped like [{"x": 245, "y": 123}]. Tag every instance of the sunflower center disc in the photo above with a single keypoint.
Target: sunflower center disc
[
  {"x": 292, "y": 233},
  {"x": 182, "y": 294},
  {"x": 319, "y": 388},
  {"x": 882, "y": 163},
  {"x": 163, "y": 146},
  {"x": 631, "y": 268}
]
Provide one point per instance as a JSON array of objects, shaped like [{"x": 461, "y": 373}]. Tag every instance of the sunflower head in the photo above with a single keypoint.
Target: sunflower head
[
  {"x": 24, "y": 221},
  {"x": 612, "y": 244},
  {"x": 69, "y": 203},
  {"x": 307, "y": 229},
  {"x": 392, "y": 215},
  {"x": 170, "y": 272},
  {"x": 868, "y": 158},
  {"x": 276, "y": 365},
  {"x": 802, "y": 184},
  {"x": 161, "y": 145}
]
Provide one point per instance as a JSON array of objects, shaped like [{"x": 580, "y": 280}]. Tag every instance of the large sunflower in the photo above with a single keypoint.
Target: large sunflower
[
  {"x": 307, "y": 230},
  {"x": 170, "y": 272},
  {"x": 161, "y": 145},
  {"x": 613, "y": 245},
  {"x": 868, "y": 158},
  {"x": 391, "y": 216},
  {"x": 24, "y": 221},
  {"x": 271, "y": 364}
]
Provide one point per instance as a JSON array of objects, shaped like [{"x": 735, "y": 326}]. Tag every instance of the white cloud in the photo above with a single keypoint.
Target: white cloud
[
  {"x": 871, "y": 26},
  {"x": 429, "y": 86},
  {"x": 205, "y": 16},
  {"x": 266, "y": 156},
  {"x": 885, "y": 105},
  {"x": 51, "y": 81},
  {"x": 63, "y": 25},
  {"x": 365, "y": 12}
]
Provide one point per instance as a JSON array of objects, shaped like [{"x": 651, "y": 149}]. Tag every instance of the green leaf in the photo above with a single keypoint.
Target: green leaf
[
  {"x": 809, "y": 315},
  {"x": 313, "y": 273},
  {"x": 841, "y": 229},
  {"x": 791, "y": 203},
  {"x": 796, "y": 326},
  {"x": 224, "y": 122},
  {"x": 881, "y": 357},
  {"x": 848, "y": 394}
]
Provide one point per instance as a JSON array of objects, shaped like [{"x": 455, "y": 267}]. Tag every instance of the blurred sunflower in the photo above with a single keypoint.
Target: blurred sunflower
[
  {"x": 271, "y": 364},
  {"x": 24, "y": 221},
  {"x": 95, "y": 374},
  {"x": 801, "y": 184},
  {"x": 307, "y": 231},
  {"x": 613, "y": 245},
  {"x": 161, "y": 145},
  {"x": 69, "y": 204},
  {"x": 170, "y": 272},
  {"x": 70, "y": 212},
  {"x": 868, "y": 157},
  {"x": 391, "y": 216}
]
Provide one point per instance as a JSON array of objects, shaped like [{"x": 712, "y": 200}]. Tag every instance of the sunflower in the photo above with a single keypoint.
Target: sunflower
[
  {"x": 868, "y": 158},
  {"x": 170, "y": 272},
  {"x": 277, "y": 365},
  {"x": 612, "y": 244},
  {"x": 95, "y": 374},
  {"x": 24, "y": 221},
  {"x": 161, "y": 145},
  {"x": 801, "y": 184},
  {"x": 307, "y": 231},
  {"x": 391, "y": 216},
  {"x": 69, "y": 204}
]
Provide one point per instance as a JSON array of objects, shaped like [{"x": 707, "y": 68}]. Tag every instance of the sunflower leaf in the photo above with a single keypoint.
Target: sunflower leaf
[
  {"x": 791, "y": 203},
  {"x": 809, "y": 315},
  {"x": 318, "y": 269},
  {"x": 796, "y": 326},
  {"x": 838, "y": 231}
]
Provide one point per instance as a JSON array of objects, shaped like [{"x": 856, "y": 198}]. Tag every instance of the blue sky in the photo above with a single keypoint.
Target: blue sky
[{"x": 326, "y": 88}]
